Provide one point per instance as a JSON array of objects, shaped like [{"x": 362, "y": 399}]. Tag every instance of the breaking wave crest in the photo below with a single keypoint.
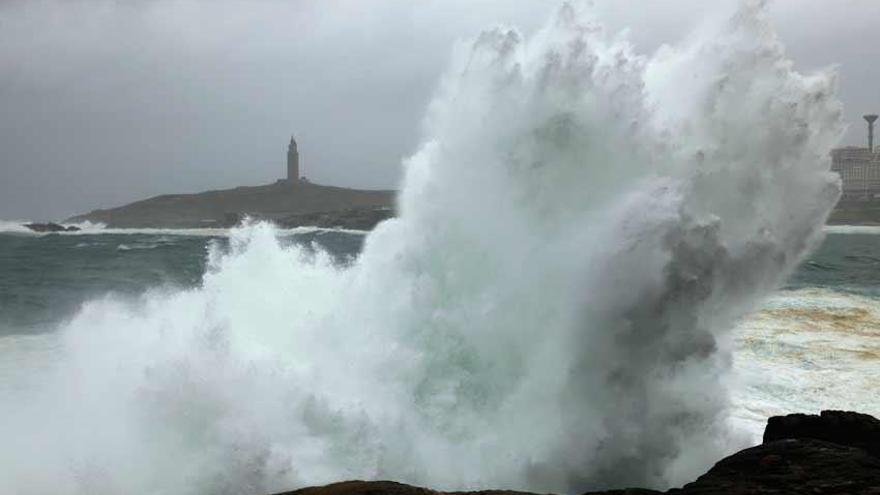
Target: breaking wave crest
[{"x": 551, "y": 310}]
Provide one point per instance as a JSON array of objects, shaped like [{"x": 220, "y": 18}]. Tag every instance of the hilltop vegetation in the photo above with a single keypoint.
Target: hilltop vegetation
[{"x": 283, "y": 202}]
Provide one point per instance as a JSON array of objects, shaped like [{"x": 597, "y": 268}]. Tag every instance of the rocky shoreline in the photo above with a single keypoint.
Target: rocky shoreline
[
  {"x": 834, "y": 453},
  {"x": 350, "y": 219}
]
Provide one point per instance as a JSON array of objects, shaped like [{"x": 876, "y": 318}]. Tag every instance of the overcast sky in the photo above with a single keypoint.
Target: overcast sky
[{"x": 103, "y": 102}]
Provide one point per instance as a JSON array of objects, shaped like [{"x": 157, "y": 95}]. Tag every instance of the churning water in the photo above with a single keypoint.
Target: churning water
[{"x": 579, "y": 233}]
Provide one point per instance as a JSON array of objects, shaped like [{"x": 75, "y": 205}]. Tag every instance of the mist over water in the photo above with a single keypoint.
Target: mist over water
[{"x": 579, "y": 231}]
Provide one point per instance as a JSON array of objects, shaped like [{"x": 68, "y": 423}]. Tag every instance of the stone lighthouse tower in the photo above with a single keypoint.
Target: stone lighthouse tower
[{"x": 292, "y": 162}]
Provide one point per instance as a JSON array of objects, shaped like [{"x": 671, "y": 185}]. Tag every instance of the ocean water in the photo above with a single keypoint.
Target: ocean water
[
  {"x": 581, "y": 291},
  {"x": 814, "y": 344},
  {"x": 45, "y": 279}
]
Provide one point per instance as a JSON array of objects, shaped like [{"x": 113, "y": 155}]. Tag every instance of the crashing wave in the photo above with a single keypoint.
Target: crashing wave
[{"x": 551, "y": 311}]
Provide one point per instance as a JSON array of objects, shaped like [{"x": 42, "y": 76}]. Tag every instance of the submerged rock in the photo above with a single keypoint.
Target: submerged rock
[{"x": 834, "y": 453}]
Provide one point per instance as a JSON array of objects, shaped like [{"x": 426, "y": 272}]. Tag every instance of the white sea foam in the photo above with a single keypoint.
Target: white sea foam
[
  {"x": 805, "y": 351},
  {"x": 137, "y": 247},
  {"x": 578, "y": 234},
  {"x": 853, "y": 229},
  {"x": 14, "y": 227}
]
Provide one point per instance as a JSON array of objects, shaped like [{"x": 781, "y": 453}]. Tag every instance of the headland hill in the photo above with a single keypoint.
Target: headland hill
[
  {"x": 290, "y": 202},
  {"x": 296, "y": 202}
]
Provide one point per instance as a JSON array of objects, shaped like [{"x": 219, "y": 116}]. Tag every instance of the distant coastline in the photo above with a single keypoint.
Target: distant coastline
[
  {"x": 304, "y": 204},
  {"x": 855, "y": 213}
]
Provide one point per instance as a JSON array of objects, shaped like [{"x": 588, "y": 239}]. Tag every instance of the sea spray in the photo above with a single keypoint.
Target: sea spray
[{"x": 578, "y": 232}]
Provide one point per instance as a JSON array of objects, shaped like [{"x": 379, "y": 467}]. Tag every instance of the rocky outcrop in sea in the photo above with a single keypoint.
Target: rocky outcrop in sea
[
  {"x": 834, "y": 453},
  {"x": 51, "y": 227}
]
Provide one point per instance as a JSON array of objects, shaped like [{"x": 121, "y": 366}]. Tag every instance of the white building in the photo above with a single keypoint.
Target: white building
[
  {"x": 859, "y": 171},
  {"x": 859, "y": 168}
]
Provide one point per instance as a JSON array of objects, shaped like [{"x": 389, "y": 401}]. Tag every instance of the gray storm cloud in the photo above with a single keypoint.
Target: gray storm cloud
[{"x": 105, "y": 102}]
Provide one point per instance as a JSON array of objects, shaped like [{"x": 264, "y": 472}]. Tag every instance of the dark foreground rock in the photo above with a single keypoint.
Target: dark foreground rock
[
  {"x": 840, "y": 427},
  {"x": 50, "y": 227},
  {"x": 834, "y": 453},
  {"x": 791, "y": 467},
  {"x": 393, "y": 488}
]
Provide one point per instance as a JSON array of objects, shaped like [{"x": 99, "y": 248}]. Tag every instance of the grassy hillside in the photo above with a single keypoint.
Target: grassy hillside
[{"x": 222, "y": 208}]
